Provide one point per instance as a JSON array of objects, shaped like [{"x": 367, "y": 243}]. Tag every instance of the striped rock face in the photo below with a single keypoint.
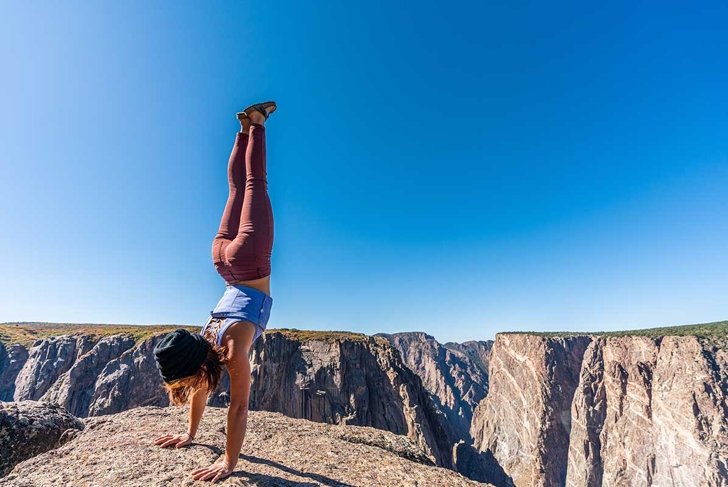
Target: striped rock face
[{"x": 593, "y": 411}]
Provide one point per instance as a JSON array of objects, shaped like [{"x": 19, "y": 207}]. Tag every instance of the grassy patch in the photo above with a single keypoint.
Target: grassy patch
[
  {"x": 718, "y": 329},
  {"x": 26, "y": 333},
  {"x": 307, "y": 335}
]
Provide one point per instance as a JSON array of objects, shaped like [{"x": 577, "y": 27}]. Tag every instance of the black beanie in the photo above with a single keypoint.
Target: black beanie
[{"x": 180, "y": 354}]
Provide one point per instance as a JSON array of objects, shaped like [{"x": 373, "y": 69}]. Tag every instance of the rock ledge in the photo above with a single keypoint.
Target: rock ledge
[{"x": 278, "y": 451}]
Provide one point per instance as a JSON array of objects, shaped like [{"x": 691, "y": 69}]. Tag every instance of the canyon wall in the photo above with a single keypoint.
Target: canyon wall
[
  {"x": 12, "y": 359},
  {"x": 551, "y": 410},
  {"x": 650, "y": 411},
  {"x": 478, "y": 351},
  {"x": 601, "y": 411},
  {"x": 456, "y": 375},
  {"x": 357, "y": 381},
  {"x": 525, "y": 419}
]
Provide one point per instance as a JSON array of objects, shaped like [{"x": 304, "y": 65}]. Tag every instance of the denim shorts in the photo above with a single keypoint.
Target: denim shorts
[{"x": 241, "y": 303}]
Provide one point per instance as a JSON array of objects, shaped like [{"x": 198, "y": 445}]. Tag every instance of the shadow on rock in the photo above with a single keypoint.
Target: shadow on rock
[
  {"x": 214, "y": 449},
  {"x": 321, "y": 479},
  {"x": 480, "y": 466}
]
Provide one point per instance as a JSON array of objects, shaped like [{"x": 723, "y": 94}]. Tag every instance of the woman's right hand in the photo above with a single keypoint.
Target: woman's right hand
[{"x": 178, "y": 441}]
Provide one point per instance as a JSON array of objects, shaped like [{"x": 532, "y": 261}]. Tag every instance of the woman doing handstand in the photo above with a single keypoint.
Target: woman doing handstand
[{"x": 191, "y": 364}]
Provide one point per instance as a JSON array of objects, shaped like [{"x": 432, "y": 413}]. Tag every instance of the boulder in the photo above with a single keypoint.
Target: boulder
[{"x": 29, "y": 428}]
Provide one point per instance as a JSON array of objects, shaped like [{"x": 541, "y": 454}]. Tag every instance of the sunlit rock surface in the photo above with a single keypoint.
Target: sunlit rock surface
[{"x": 278, "y": 451}]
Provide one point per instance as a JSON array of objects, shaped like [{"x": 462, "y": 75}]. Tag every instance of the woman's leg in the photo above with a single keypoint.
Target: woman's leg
[
  {"x": 236, "y": 189},
  {"x": 233, "y": 207},
  {"x": 250, "y": 251}
]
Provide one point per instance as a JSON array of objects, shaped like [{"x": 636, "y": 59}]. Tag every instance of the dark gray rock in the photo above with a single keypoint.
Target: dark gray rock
[
  {"x": 456, "y": 382},
  {"x": 129, "y": 381},
  {"x": 48, "y": 359},
  {"x": 355, "y": 381},
  {"x": 29, "y": 428},
  {"x": 75, "y": 389},
  {"x": 12, "y": 360},
  {"x": 478, "y": 351}
]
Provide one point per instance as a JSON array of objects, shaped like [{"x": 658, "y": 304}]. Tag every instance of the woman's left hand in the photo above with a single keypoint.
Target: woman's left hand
[{"x": 214, "y": 472}]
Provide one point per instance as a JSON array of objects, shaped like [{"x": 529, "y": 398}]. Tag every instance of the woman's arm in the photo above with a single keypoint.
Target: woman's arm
[
  {"x": 237, "y": 418},
  {"x": 239, "y": 339},
  {"x": 198, "y": 401}
]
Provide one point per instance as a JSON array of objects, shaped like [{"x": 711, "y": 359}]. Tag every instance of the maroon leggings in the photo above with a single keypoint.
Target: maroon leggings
[{"x": 242, "y": 247}]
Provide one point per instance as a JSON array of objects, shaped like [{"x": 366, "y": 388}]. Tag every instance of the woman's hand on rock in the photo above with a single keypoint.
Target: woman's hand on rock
[
  {"x": 178, "y": 441},
  {"x": 214, "y": 472}
]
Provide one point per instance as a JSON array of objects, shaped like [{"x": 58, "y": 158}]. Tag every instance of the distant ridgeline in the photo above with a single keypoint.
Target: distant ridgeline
[{"x": 568, "y": 403}]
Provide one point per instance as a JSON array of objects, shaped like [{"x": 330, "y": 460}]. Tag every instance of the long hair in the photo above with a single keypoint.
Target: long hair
[{"x": 206, "y": 378}]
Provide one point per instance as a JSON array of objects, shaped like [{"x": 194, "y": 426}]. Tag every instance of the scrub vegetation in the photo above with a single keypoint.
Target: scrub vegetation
[
  {"x": 717, "y": 329},
  {"x": 307, "y": 335},
  {"x": 26, "y": 333}
]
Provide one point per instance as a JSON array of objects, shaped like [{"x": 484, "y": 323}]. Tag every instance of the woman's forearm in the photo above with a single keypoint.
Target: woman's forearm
[
  {"x": 198, "y": 401},
  {"x": 238, "y": 365},
  {"x": 236, "y": 425}
]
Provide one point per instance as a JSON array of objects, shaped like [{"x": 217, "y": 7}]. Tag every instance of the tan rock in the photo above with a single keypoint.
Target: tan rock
[{"x": 278, "y": 451}]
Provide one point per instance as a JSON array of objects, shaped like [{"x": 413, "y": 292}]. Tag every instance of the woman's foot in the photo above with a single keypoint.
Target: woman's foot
[
  {"x": 244, "y": 123},
  {"x": 258, "y": 113}
]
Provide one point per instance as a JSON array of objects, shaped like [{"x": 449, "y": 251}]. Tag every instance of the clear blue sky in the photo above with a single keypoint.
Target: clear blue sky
[{"x": 456, "y": 168}]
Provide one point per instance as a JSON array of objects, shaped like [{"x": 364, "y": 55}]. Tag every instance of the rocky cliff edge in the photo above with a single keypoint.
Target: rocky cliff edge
[{"x": 279, "y": 451}]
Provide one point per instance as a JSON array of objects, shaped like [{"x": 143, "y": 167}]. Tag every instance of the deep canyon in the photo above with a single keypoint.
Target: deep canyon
[{"x": 643, "y": 408}]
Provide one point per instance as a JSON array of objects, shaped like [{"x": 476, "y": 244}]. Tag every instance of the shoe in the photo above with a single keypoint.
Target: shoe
[{"x": 258, "y": 107}]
